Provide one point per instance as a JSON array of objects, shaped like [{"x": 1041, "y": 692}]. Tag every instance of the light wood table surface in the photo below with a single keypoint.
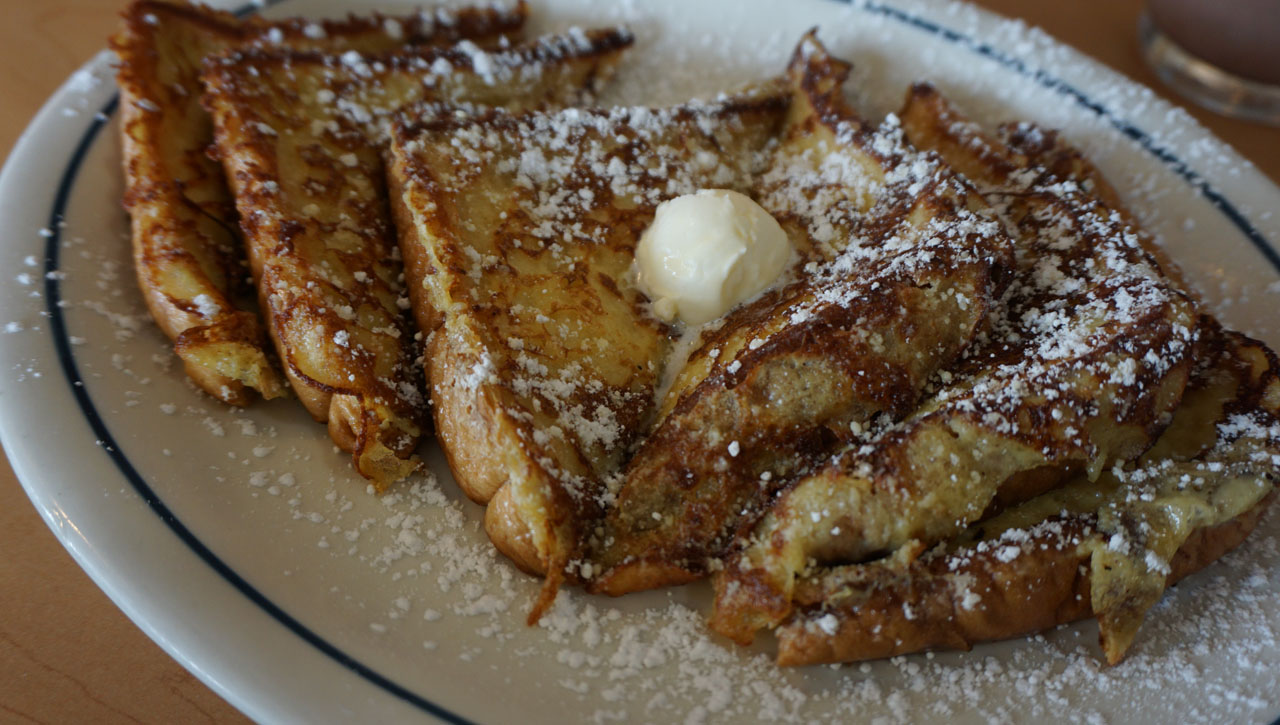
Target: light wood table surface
[{"x": 67, "y": 655}]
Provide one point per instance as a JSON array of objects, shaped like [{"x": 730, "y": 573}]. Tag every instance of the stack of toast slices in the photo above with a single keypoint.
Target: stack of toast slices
[
  {"x": 979, "y": 403},
  {"x": 253, "y": 150}
]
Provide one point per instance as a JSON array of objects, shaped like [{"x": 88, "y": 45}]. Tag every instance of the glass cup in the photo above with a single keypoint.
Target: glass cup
[{"x": 1221, "y": 54}]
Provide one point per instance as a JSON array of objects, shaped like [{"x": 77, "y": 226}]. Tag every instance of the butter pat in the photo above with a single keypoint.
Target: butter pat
[{"x": 707, "y": 252}]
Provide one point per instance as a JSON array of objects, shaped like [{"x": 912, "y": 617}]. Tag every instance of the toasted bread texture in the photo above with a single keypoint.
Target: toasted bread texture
[
  {"x": 302, "y": 136},
  {"x": 187, "y": 252},
  {"x": 543, "y": 357},
  {"x": 1106, "y": 548},
  {"x": 902, "y": 260},
  {"x": 981, "y": 402},
  {"x": 1086, "y": 354}
]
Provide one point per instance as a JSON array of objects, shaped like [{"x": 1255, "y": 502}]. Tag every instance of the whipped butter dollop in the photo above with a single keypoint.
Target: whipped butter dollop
[{"x": 707, "y": 252}]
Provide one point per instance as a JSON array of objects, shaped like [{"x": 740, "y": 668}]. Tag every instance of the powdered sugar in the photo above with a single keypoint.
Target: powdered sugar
[{"x": 1202, "y": 654}]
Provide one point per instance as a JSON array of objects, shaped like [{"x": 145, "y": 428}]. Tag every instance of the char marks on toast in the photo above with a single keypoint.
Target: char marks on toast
[
  {"x": 1106, "y": 548},
  {"x": 543, "y": 358},
  {"x": 187, "y": 253},
  {"x": 1084, "y": 357},
  {"x": 902, "y": 260},
  {"x": 980, "y": 403},
  {"x": 975, "y": 347},
  {"x": 302, "y": 137}
]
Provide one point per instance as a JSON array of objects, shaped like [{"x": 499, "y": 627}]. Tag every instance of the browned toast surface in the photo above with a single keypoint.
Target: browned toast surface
[
  {"x": 187, "y": 251},
  {"x": 543, "y": 358},
  {"x": 1106, "y": 548},
  {"x": 975, "y": 343},
  {"x": 980, "y": 403},
  {"x": 301, "y": 136},
  {"x": 902, "y": 261},
  {"x": 1086, "y": 354}
]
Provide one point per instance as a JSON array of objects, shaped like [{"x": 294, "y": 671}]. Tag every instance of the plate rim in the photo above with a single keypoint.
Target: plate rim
[{"x": 67, "y": 360}]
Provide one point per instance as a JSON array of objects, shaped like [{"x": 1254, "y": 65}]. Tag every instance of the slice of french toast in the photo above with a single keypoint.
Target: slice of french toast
[
  {"x": 902, "y": 261},
  {"x": 301, "y": 136},
  {"x": 1085, "y": 357},
  {"x": 187, "y": 253},
  {"x": 519, "y": 234},
  {"x": 1104, "y": 548}
]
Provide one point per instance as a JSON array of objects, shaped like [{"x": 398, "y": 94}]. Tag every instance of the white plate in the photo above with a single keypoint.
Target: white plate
[{"x": 242, "y": 543}]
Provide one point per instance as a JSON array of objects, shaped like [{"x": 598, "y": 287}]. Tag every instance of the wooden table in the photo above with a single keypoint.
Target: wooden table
[{"x": 66, "y": 653}]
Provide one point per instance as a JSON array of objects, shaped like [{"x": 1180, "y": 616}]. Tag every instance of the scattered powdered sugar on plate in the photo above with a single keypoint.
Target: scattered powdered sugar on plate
[{"x": 408, "y": 583}]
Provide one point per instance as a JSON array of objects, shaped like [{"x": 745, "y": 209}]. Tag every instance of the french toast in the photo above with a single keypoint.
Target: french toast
[
  {"x": 1106, "y": 548},
  {"x": 301, "y": 135},
  {"x": 187, "y": 254},
  {"x": 892, "y": 238},
  {"x": 519, "y": 233},
  {"x": 976, "y": 343},
  {"x": 1085, "y": 357}
]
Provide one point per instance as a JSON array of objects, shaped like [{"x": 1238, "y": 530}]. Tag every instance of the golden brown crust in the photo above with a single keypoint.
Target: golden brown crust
[
  {"x": 896, "y": 284},
  {"x": 1048, "y": 585},
  {"x": 187, "y": 253},
  {"x": 301, "y": 136},
  {"x": 1106, "y": 549},
  {"x": 1047, "y": 148},
  {"x": 915, "y": 611},
  {"x": 509, "y": 531},
  {"x": 466, "y": 425},
  {"x": 219, "y": 358},
  {"x": 469, "y": 427},
  {"x": 1085, "y": 356},
  {"x": 377, "y": 32},
  {"x": 544, "y": 361},
  {"x": 182, "y": 217},
  {"x": 1036, "y": 431}
]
